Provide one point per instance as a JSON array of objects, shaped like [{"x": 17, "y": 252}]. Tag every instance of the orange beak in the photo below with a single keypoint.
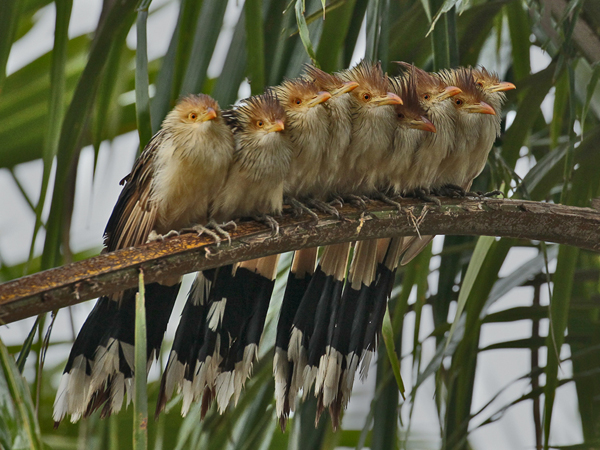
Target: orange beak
[
  {"x": 388, "y": 99},
  {"x": 318, "y": 99},
  {"x": 424, "y": 124},
  {"x": 210, "y": 114},
  {"x": 481, "y": 108},
  {"x": 503, "y": 86},
  {"x": 346, "y": 87},
  {"x": 277, "y": 126},
  {"x": 449, "y": 91}
]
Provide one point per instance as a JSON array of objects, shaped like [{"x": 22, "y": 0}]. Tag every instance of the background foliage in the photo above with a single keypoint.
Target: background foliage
[{"x": 72, "y": 97}]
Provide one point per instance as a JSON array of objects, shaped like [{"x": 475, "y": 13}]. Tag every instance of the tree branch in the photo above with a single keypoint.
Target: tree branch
[{"x": 112, "y": 272}]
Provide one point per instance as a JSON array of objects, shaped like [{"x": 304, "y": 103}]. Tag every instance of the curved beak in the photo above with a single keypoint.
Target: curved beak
[
  {"x": 210, "y": 114},
  {"x": 318, "y": 99},
  {"x": 423, "y": 124},
  {"x": 277, "y": 126},
  {"x": 481, "y": 108},
  {"x": 346, "y": 87},
  {"x": 449, "y": 91},
  {"x": 503, "y": 86},
  {"x": 388, "y": 99}
]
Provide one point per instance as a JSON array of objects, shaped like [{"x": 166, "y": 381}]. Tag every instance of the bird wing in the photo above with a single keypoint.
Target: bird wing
[{"x": 134, "y": 214}]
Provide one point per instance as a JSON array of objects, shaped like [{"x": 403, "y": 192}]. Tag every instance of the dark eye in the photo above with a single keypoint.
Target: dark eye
[
  {"x": 260, "y": 123},
  {"x": 192, "y": 116},
  {"x": 366, "y": 97},
  {"x": 459, "y": 101},
  {"x": 480, "y": 84},
  {"x": 400, "y": 116},
  {"x": 298, "y": 101},
  {"x": 426, "y": 96}
]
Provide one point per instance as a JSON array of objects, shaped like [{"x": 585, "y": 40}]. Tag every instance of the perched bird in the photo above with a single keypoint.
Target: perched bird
[
  {"x": 371, "y": 135},
  {"x": 308, "y": 130},
  {"x": 221, "y": 326},
  {"x": 477, "y": 126},
  {"x": 434, "y": 95},
  {"x": 354, "y": 329},
  {"x": 169, "y": 188},
  {"x": 303, "y": 266}
]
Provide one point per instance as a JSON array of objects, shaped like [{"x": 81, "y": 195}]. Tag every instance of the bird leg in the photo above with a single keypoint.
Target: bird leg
[
  {"x": 385, "y": 199},
  {"x": 154, "y": 236},
  {"x": 324, "y": 207},
  {"x": 337, "y": 201},
  {"x": 299, "y": 208},
  {"x": 206, "y": 229},
  {"x": 270, "y": 221},
  {"x": 424, "y": 195},
  {"x": 358, "y": 201}
]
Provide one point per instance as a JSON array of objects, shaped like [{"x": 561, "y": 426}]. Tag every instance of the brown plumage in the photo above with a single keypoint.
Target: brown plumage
[
  {"x": 170, "y": 187},
  {"x": 308, "y": 129},
  {"x": 230, "y": 329}
]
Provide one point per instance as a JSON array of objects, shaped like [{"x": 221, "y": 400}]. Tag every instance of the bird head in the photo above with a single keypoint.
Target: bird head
[
  {"x": 489, "y": 82},
  {"x": 471, "y": 98},
  {"x": 373, "y": 85},
  {"x": 196, "y": 109},
  {"x": 324, "y": 81},
  {"x": 410, "y": 114},
  {"x": 299, "y": 95},
  {"x": 430, "y": 88},
  {"x": 259, "y": 117}
]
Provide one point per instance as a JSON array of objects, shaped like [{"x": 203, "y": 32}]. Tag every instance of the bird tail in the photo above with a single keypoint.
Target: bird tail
[
  {"x": 238, "y": 305},
  {"x": 310, "y": 326},
  {"x": 179, "y": 372},
  {"x": 301, "y": 272},
  {"x": 332, "y": 388},
  {"x": 100, "y": 368},
  {"x": 413, "y": 247}
]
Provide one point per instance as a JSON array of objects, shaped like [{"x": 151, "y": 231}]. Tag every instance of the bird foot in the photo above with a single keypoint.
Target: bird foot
[
  {"x": 154, "y": 236},
  {"x": 452, "y": 191},
  {"x": 358, "y": 201},
  {"x": 324, "y": 207},
  {"x": 494, "y": 193},
  {"x": 337, "y": 202},
  {"x": 385, "y": 199},
  {"x": 270, "y": 221},
  {"x": 299, "y": 208},
  {"x": 219, "y": 230},
  {"x": 426, "y": 197}
]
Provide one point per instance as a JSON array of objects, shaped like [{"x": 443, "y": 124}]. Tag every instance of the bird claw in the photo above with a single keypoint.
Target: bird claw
[
  {"x": 271, "y": 222},
  {"x": 385, "y": 199},
  {"x": 219, "y": 229},
  {"x": 299, "y": 208},
  {"x": 358, "y": 201},
  {"x": 423, "y": 195},
  {"x": 327, "y": 208},
  {"x": 452, "y": 191},
  {"x": 154, "y": 236}
]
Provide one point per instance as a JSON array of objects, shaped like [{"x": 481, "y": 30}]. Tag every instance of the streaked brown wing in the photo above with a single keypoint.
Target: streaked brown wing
[{"x": 134, "y": 215}]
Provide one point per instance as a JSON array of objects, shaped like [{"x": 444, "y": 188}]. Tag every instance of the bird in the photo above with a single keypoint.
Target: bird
[
  {"x": 170, "y": 188},
  {"x": 372, "y": 127},
  {"x": 354, "y": 329},
  {"x": 304, "y": 261},
  {"x": 217, "y": 339},
  {"x": 477, "y": 126}
]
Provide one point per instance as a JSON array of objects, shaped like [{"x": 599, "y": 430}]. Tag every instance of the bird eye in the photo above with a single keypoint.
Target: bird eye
[
  {"x": 400, "y": 116},
  {"x": 459, "y": 101},
  {"x": 480, "y": 84},
  {"x": 426, "y": 96},
  {"x": 366, "y": 97},
  {"x": 298, "y": 101},
  {"x": 192, "y": 116},
  {"x": 260, "y": 123}
]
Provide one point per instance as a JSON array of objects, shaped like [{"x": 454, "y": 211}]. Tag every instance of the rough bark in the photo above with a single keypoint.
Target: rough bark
[{"x": 111, "y": 272}]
